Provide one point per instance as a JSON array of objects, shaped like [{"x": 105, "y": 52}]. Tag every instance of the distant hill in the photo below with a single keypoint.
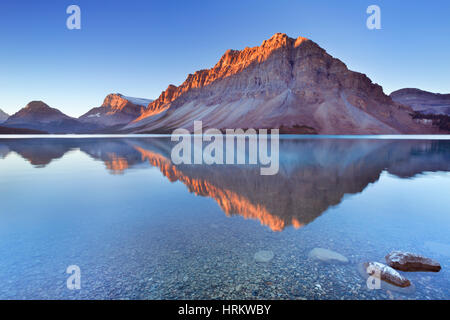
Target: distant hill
[
  {"x": 37, "y": 115},
  {"x": 423, "y": 101}
]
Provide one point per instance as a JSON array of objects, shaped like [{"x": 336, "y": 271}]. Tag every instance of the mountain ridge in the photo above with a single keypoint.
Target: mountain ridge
[
  {"x": 290, "y": 84},
  {"x": 37, "y": 115},
  {"x": 231, "y": 62},
  {"x": 284, "y": 83},
  {"x": 423, "y": 101}
]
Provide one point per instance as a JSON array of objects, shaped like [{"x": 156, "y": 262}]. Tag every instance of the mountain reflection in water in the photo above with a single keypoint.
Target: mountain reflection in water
[{"x": 314, "y": 173}]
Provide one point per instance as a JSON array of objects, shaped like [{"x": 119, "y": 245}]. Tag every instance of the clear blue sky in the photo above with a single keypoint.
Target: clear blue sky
[{"x": 138, "y": 48}]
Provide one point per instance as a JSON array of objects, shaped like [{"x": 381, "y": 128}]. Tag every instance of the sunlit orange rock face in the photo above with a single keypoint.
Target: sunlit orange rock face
[
  {"x": 116, "y": 102},
  {"x": 232, "y": 62},
  {"x": 116, "y": 109}
]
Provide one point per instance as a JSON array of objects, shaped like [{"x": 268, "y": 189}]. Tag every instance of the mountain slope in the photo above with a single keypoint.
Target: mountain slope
[
  {"x": 37, "y": 115},
  {"x": 286, "y": 83},
  {"x": 423, "y": 101},
  {"x": 8, "y": 130},
  {"x": 3, "y": 116},
  {"x": 116, "y": 109}
]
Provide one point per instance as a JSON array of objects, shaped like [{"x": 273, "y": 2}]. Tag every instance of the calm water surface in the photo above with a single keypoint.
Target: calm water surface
[{"x": 140, "y": 227}]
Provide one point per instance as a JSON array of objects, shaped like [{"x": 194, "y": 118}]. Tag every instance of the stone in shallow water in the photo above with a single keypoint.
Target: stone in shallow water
[
  {"x": 386, "y": 273},
  {"x": 385, "y": 285},
  {"x": 326, "y": 255},
  {"x": 264, "y": 256},
  {"x": 406, "y": 261}
]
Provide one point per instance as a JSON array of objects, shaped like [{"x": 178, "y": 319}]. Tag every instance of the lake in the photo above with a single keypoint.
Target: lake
[{"x": 140, "y": 227}]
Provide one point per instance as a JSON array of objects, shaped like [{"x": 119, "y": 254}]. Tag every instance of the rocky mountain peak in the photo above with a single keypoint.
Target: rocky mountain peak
[
  {"x": 282, "y": 40},
  {"x": 37, "y": 106},
  {"x": 115, "y": 101},
  {"x": 287, "y": 83},
  {"x": 232, "y": 62},
  {"x": 116, "y": 109},
  {"x": 37, "y": 110}
]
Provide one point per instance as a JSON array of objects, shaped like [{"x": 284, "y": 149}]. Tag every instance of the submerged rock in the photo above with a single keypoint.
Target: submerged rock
[
  {"x": 326, "y": 255},
  {"x": 264, "y": 256},
  {"x": 406, "y": 261},
  {"x": 386, "y": 273}
]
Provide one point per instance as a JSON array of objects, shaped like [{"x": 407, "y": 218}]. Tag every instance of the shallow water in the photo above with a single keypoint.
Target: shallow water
[{"x": 140, "y": 227}]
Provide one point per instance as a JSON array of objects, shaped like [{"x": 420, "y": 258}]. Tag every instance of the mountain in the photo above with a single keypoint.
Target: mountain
[
  {"x": 3, "y": 116},
  {"x": 423, "y": 101},
  {"x": 37, "y": 115},
  {"x": 291, "y": 84},
  {"x": 116, "y": 109}
]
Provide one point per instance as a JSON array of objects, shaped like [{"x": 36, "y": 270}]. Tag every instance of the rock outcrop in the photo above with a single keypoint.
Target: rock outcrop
[
  {"x": 116, "y": 109},
  {"x": 285, "y": 83},
  {"x": 406, "y": 261},
  {"x": 423, "y": 101}
]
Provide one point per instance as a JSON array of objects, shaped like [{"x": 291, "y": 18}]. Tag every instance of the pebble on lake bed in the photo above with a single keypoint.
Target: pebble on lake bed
[
  {"x": 263, "y": 256},
  {"x": 326, "y": 255}
]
